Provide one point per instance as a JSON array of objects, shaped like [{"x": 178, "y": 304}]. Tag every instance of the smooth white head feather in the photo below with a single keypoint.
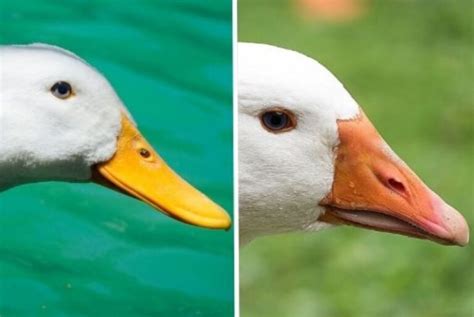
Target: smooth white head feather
[
  {"x": 43, "y": 137},
  {"x": 284, "y": 176}
]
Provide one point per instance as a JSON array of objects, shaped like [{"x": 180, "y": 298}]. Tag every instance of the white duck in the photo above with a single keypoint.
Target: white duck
[
  {"x": 61, "y": 120},
  {"x": 309, "y": 158}
]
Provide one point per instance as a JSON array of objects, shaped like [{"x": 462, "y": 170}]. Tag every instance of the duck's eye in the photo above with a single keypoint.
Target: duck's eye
[
  {"x": 278, "y": 120},
  {"x": 61, "y": 90}
]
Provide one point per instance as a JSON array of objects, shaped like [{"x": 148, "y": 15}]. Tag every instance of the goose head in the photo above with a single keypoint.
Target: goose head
[
  {"x": 309, "y": 158},
  {"x": 60, "y": 119}
]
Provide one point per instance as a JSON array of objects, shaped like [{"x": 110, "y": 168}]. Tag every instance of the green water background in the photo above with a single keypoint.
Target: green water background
[
  {"x": 83, "y": 250},
  {"x": 410, "y": 65}
]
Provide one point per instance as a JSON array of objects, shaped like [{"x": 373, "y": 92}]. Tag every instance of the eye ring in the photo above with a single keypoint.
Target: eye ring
[
  {"x": 278, "y": 120},
  {"x": 61, "y": 90}
]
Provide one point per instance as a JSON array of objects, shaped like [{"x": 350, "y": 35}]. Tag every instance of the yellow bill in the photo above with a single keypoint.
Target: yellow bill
[{"x": 137, "y": 170}]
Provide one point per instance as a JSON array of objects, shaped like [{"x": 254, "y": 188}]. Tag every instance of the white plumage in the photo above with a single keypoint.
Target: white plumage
[
  {"x": 332, "y": 167},
  {"x": 83, "y": 132},
  {"x": 46, "y": 138}
]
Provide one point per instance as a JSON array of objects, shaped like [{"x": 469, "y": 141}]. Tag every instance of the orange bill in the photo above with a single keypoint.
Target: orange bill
[
  {"x": 137, "y": 170},
  {"x": 375, "y": 189}
]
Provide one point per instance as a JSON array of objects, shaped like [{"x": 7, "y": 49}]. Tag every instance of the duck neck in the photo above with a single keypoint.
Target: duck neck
[{"x": 21, "y": 168}]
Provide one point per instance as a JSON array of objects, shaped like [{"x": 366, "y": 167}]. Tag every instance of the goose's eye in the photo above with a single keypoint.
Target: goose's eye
[
  {"x": 61, "y": 89},
  {"x": 278, "y": 120}
]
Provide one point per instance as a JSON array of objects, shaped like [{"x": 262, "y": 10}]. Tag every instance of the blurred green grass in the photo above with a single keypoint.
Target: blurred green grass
[{"x": 410, "y": 65}]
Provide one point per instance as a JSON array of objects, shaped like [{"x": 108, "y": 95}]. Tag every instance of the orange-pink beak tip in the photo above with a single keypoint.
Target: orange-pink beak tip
[{"x": 452, "y": 225}]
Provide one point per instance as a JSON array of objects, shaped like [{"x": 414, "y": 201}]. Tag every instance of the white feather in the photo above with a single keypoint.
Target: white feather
[
  {"x": 284, "y": 176},
  {"x": 43, "y": 137}
]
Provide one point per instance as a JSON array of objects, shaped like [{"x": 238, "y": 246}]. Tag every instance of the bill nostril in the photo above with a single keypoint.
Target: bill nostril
[
  {"x": 396, "y": 186},
  {"x": 144, "y": 153}
]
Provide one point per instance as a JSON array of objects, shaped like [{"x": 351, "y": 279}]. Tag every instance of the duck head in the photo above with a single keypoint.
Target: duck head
[
  {"x": 309, "y": 158},
  {"x": 60, "y": 119}
]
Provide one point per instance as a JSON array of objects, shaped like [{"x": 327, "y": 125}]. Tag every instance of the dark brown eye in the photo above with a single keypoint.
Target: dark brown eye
[
  {"x": 61, "y": 90},
  {"x": 278, "y": 120}
]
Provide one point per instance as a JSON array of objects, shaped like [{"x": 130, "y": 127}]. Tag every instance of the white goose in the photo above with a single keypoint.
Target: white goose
[
  {"x": 310, "y": 158},
  {"x": 61, "y": 120}
]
